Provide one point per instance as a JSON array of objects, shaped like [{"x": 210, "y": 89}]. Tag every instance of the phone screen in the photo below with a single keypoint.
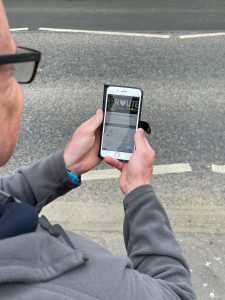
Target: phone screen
[{"x": 120, "y": 123}]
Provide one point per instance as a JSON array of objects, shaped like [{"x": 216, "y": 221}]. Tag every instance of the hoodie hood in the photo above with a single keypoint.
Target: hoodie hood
[{"x": 36, "y": 257}]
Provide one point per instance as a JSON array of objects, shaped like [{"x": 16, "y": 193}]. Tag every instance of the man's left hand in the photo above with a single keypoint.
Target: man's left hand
[{"x": 82, "y": 152}]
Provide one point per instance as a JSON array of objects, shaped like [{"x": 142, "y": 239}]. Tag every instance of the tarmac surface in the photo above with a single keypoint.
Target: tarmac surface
[{"x": 119, "y": 15}]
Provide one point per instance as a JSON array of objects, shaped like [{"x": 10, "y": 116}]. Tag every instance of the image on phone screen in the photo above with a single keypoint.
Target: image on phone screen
[{"x": 120, "y": 123}]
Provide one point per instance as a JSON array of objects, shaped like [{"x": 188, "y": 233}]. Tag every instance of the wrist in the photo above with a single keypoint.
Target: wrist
[
  {"x": 130, "y": 187},
  {"x": 76, "y": 169},
  {"x": 67, "y": 160},
  {"x": 73, "y": 177},
  {"x": 70, "y": 165}
]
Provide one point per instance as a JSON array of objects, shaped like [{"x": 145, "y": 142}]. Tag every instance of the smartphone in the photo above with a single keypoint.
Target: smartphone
[{"x": 122, "y": 110}]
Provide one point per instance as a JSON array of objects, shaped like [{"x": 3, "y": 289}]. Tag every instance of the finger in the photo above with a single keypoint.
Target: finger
[
  {"x": 98, "y": 136},
  {"x": 114, "y": 162},
  {"x": 147, "y": 142},
  {"x": 94, "y": 122},
  {"x": 150, "y": 149},
  {"x": 139, "y": 139},
  {"x": 97, "y": 139}
]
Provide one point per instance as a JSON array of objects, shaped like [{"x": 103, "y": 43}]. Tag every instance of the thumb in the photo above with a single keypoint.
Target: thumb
[
  {"x": 114, "y": 162},
  {"x": 94, "y": 122},
  {"x": 139, "y": 139}
]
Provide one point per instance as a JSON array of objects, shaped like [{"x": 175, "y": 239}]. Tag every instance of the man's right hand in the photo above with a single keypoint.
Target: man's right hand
[{"x": 138, "y": 170}]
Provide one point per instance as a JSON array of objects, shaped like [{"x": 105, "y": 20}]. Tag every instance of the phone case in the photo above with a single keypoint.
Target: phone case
[{"x": 104, "y": 101}]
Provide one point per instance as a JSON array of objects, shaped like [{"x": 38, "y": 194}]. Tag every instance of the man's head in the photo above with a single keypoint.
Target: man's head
[{"x": 11, "y": 95}]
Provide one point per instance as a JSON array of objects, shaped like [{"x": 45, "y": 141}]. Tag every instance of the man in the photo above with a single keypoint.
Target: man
[{"x": 41, "y": 261}]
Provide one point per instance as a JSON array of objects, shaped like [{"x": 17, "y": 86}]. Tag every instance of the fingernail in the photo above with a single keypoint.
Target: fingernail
[{"x": 141, "y": 130}]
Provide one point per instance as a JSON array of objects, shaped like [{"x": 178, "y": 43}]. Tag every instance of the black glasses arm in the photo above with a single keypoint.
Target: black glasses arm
[{"x": 20, "y": 57}]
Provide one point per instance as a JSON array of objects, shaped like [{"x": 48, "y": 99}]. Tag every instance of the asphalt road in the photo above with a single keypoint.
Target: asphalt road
[
  {"x": 117, "y": 15},
  {"x": 183, "y": 83}
]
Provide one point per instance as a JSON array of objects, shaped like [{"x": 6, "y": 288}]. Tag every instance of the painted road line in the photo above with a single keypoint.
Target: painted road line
[
  {"x": 101, "y": 174},
  {"x": 218, "y": 168},
  {"x": 158, "y": 170},
  {"x": 172, "y": 169},
  {"x": 19, "y": 29},
  {"x": 199, "y": 35},
  {"x": 133, "y": 34}
]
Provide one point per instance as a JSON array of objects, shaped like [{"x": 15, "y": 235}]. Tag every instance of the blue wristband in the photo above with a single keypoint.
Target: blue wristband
[{"x": 73, "y": 177}]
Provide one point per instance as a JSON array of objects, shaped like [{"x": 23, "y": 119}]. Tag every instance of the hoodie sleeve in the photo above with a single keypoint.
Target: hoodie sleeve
[
  {"x": 161, "y": 271},
  {"x": 40, "y": 183}
]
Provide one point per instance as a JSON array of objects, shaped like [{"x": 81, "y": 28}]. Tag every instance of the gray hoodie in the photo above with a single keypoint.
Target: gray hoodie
[{"x": 51, "y": 264}]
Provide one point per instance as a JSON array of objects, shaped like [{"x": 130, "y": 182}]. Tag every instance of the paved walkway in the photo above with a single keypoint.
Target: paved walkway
[{"x": 199, "y": 230}]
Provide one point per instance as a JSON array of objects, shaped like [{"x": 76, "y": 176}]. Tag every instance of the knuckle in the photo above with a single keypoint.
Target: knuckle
[
  {"x": 152, "y": 152},
  {"x": 148, "y": 154},
  {"x": 82, "y": 130}
]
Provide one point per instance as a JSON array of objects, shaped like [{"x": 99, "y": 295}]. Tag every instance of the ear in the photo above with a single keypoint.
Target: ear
[{"x": 7, "y": 45}]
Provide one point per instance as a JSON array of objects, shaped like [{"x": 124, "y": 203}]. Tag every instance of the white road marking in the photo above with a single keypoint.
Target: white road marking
[
  {"x": 101, "y": 174},
  {"x": 218, "y": 168},
  {"x": 19, "y": 29},
  {"x": 172, "y": 169},
  {"x": 158, "y": 170},
  {"x": 199, "y": 35},
  {"x": 134, "y": 34}
]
